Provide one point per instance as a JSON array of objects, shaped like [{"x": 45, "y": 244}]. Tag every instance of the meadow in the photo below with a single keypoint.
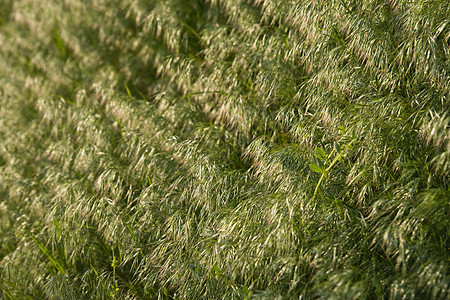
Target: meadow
[{"x": 224, "y": 149}]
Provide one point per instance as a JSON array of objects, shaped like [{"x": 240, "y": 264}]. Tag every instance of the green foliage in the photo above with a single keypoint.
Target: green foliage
[{"x": 224, "y": 149}]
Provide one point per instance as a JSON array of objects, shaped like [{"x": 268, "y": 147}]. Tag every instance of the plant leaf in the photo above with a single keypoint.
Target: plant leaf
[
  {"x": 337, "y": 147},
  {"x": 316, "y": 168},
  {"x": 320, "y": 153}
]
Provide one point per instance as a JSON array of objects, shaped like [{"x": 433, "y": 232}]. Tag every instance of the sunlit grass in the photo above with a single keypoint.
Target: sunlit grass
[{"x": 224, "y": 149}]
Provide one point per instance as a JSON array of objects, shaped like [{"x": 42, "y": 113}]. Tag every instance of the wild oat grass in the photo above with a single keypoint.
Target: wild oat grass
[{"x": 224, "y": 149}]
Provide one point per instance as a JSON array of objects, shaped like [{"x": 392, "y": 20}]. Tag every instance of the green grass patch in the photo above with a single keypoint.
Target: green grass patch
[{"x": 224, "y": 149}]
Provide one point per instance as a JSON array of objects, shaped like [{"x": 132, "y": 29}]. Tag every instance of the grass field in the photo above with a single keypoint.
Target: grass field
[{"x": 224, "y": 149}]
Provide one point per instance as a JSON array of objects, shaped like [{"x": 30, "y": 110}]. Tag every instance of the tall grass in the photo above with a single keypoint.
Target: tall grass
[{"x": 224, "y": 149}]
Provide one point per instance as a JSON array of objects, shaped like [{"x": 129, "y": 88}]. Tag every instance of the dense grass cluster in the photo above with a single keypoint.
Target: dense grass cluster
[{"x": 224, "y": 149}]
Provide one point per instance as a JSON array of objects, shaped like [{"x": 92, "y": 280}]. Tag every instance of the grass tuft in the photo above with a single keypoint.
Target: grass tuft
[{"x": 224, "y": 149}]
